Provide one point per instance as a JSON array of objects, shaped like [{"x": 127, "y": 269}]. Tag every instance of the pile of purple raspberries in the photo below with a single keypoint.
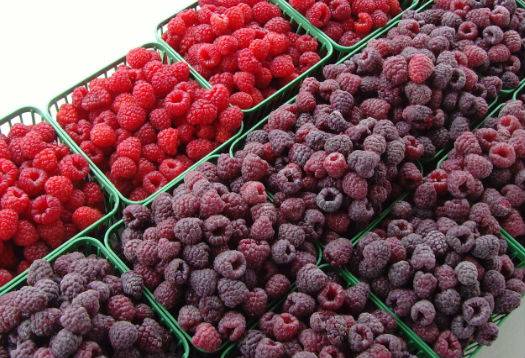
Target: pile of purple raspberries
[
  {"x": 234, "y": 237},
  {"x": 78, "y": 307}
]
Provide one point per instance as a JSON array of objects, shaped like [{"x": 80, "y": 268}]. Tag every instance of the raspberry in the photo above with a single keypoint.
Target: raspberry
[
  {"x": 277, "y": 286},
  {"x": 120, "y": 307},
  {"x": 122, "y": 335},
  {"x": 311, "y": 279},
  {"x": 507, "y": 301},
  {"x": 206, "y": 338},
  {"x": 138, "y": 57},
  {"x": 76, "y": 320},
  {"x": 85, "y": 216},
  {"x": 74, "y": 167},
  {"x": 198, "y": 148},
  {"x": 447, "y": 345}
]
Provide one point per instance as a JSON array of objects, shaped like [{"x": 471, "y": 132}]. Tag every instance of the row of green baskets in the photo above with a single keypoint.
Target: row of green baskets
[{"x": 29, "y": 115}]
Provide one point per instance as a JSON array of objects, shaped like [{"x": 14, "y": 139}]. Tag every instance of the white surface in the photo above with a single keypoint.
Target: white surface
[{"x": 48, "y": 46}]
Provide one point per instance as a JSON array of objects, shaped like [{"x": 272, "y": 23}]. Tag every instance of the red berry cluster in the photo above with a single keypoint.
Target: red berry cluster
[
  {"x": 148, "y": 122},
  {"x": 248, "y": 47},
  {"x": 45, "y": 197},
  {"x": 347, "y": 21}
]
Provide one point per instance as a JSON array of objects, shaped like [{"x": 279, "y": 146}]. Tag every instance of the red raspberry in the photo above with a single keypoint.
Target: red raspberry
[
  {"x": 131, "y": 116},
  {"x": 177, "y": 103},
  {"x": 379, "y": 18},
  {"x": 171, "y": 168},
  {"x": 77, "y": 199},
  {"x": 168, "y": 140},
  {"x": 282, "y": 66},
  {"x": 198, "y": 148},
  {"x": 130, "y": 148},
  {"x": 45, "y": 209},
  {"x": 46, "y": 160},
  {"x": 308, "y": 59},
  {"x": 231, "y": 118},
  {"x": 144, "y": 94},
  {"x": 5, "y": 277},
  {"x": 97, "y": 98},
  {"x": 138, "y": 57},
  {"x": 318, "y": 14},
  {"x": 420, "y": 68},
  {"x": 236, "y": 17},
  {"x": 181, "y": 71},
  {"x": 264, "y": 11},
  {"x": 476, "y": 56},
  {"x": 46, "y": 131},
  {"x": 77, "y": 96},
  {"x": 93, "y": 152},
  {"x": 54, "y": 234},
  {"x": 364, "y": 24},
  {"x": 32, "y": 181},
  {"x": 247, "y": 61},
  {"x": 8, "y": 224},
  {"x": 8, "y": 174},
  {"x": 121, "y": 99},
  {"x": 302, "y": 5},
  {"x": 163, "y": 80},
  {"x": 224, "y": 78},
  {"x": 31, "y": 144},
  {"x": 103, "y": 136},
  {"x": 186, "y": 133},
  {"x": 123, "y": 167},
  {"x": 67, "y": 114},
  {"x": 160, "y": 119},
  {"x": 93, "y": 193},
  {"x": 202, "y": 112},
  {"x": 218, "y": 95},
  {"x": 119, "y": 82},
  {"x": 209, "y": 55},
  {"x": 16, "y": 199},
  {"x": 244, "y": 81},
  {"x": 242, "y": 100},
  {"x": 206, "y": 132},
  {"x": 206, "y": 336},
  {"x": 18, "y": 131},
  {"x": 153, "y": 153},
  {"x": 260, "y": 48},
  {"x": 73, "y": 166},
  {"x": 153, "y": 181},
  {"x": 84, "y": 216},
  {"x": 60, "y": 187},
  {"x": 279, "y": 43}
]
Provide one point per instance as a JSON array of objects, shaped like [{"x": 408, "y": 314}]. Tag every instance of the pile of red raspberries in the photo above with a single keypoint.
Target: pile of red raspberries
[
  {"x": 148, "y": 122},
  {"x": 247, "y": 46},
  {"x": 347, "y": 21},
  {"x": 46, "y": 196}
]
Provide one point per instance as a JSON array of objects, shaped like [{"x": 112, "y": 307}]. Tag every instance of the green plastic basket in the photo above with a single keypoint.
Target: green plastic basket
[
  {"x": 517, "y": 252},
  {"x": 519, "y": 91},
  {"x": 341, "y": 50},
  {"x": 89, "y": 245},
  {"x": 112, "y": 244},
  {"x": 111, "y": 241},
  {"x": 301, "y": 27},
  {"x": 415, "y": 344},
  {"x": 32, "y": 115},
  {"x": 65, "y": 97}
]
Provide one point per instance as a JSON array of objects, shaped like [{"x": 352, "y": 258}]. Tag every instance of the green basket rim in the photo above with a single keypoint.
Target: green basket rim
[
  {"x": 291, "y": 15},
  {"x": 110, "y": 197},
  {"x": 103, "y": 252},
  {"x": 343, "y": 50},
  {"x": 518, "y": 90},
  {"x": 53, "y": 105}
]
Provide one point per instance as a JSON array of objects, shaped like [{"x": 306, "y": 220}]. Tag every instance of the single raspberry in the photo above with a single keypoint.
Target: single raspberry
[
  {"x": 198, "y": 148},
  {"x": 206, "y": 338},
  {"x": 60, "y": 187},
  {"x": 74, "y": 167},
  {"x": 85, "y": 216},
  {"x": 121, "y": 307},
  {"x": 15, "y": 199},
  {"x": 420, "y": 68},
  {"x": 138, "y": 57},
  {"x": 32, "y": 181},
  {"x": 122, "y": 335}
]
